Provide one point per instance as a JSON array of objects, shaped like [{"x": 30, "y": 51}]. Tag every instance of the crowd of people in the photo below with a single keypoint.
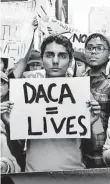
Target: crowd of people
[{"x": 58, "y": 59}]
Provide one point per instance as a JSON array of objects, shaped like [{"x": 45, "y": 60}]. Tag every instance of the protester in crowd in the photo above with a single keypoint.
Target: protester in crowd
[
  {"x": 11, "y": 151},
  {"x": 34, "y": 67},
  {"x": 106, "y": 147},
  {"x": 3, "y": 64},
  {"x": 97, "y": 53},
  {"x": 80, "y": 61},
  {"x": 35, "y": 62},
  {"x": 56, "y": 154}
]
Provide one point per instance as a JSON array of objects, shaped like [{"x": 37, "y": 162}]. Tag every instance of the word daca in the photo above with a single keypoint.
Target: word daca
[
  {"x": 47, "y": 96},
  {"x": 69, "y": 121}
]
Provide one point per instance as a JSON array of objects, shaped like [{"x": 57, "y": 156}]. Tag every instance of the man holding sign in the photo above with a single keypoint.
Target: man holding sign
[
  {"x": 63, "y": 153},
  {"x": 57, "y": 154}
]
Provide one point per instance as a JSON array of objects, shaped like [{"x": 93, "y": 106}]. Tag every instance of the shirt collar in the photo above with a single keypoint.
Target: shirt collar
[{"x": 88, "y": 72}]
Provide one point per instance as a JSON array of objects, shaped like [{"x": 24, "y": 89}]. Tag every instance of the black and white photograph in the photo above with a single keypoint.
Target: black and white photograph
[{"x": 54, "y": 90}]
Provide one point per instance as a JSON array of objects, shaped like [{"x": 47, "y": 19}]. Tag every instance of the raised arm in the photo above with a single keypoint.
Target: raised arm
[{"x": 19, "y": 69}]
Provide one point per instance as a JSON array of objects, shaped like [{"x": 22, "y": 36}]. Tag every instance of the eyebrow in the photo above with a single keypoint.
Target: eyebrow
[
  {"x": 51, "y": 52},
  {"x": 96, "y": 44}
]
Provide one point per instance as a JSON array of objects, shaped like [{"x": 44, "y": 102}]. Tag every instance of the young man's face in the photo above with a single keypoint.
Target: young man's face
[
  {"x": 1, "y": 65},
  {"x": 99, "y": 54},
  {"x": 56, "y": 60},
  {"x": 3, "y": 89}
]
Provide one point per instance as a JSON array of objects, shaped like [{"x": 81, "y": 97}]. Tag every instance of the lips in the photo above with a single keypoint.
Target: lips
[
  {"x": 93, "y": 59},
  {"x": 55, "y": 69}
]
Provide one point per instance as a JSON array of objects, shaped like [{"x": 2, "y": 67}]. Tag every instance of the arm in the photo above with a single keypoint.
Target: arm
[
  {"x": 18, "y": 71},
  {"x": 106, "y": 148},
  {"x": 5, "y": 109},
  {"x": 8, "y": 162},
  {"x": 15, "y": 149}
]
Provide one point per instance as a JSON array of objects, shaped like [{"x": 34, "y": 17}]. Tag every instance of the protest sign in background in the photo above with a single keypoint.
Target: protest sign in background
[
  {"x": 53, "y": 26},
  {"x": 16, "y": 28},
  {"x": 50, "y": 108},
  {"x": 99, "y": 20}
]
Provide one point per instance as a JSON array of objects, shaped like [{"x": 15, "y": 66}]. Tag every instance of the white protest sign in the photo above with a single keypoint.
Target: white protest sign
[
  {"x": 16, "y": 29},
  {"x": 12, "y": 42},
  {"x": 99, "y": 20},
  {"x": 57, "y": 27},
  {"x": 50, "y": 108},
  {"x": 34, "y": 74}
]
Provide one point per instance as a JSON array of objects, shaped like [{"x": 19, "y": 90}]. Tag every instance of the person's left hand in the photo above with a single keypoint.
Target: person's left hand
[
  {"x": 35, "y": 23},
  {"x": 94, "y": 110}
]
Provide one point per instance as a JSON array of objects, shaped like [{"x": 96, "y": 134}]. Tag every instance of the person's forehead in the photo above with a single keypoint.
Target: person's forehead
[
  {"x": 55, "y": 47},
  {"x": 79, "y": 61},
  {"x": 35, "y": 61},
  {"x": 97, "y": 41}
]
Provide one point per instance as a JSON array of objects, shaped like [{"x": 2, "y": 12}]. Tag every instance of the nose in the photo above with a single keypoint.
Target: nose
[
  {"x": 56, "y": 60},
  {"x": 94, "y": 51}
]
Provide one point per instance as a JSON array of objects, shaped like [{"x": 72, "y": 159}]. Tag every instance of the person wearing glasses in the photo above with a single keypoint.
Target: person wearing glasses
[{"x": 97, "y": 53}]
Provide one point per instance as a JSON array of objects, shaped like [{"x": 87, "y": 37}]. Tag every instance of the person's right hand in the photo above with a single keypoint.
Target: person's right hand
[
  {"x": 5, "y": 110},
  {"x": 3, "y": 167},
  {"x": 94, "y": 109},
  {"x": 5, "y": 107}
]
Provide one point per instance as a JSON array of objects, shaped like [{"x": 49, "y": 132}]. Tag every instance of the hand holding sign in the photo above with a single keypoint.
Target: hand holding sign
[
  {"x": 94, "y": 110},
  {"x": 35, "y": 23},
  {"x": 5, "y": 110},
  {"x": 5, "y": 107}
]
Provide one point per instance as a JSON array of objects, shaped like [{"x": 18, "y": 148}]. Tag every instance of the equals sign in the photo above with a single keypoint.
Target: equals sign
[{"x": 51, "y": 110}]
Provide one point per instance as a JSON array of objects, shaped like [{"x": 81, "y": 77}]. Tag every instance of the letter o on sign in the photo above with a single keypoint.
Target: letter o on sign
[{"x": 83, "y": 38}]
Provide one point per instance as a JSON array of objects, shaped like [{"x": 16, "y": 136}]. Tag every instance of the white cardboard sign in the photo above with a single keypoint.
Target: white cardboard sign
[{"x": 50, "y": 108}]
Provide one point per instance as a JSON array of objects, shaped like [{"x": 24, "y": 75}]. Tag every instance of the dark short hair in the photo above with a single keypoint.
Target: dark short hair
[
  {"x": 59, "y": 39},
  {"x": 5, "y": 61},
  {"x": 101, "y": 36}
]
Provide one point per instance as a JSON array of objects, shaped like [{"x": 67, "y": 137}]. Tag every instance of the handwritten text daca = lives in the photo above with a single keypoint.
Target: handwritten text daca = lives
[{"x": 47, "y": 96}]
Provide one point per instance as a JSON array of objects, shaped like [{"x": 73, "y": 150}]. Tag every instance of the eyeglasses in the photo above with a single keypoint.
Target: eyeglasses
[{"x": 99, "y": 49}]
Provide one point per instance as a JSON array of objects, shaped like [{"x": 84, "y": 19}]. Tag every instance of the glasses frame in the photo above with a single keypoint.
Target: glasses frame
[{"x": 99, "y": 52}]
